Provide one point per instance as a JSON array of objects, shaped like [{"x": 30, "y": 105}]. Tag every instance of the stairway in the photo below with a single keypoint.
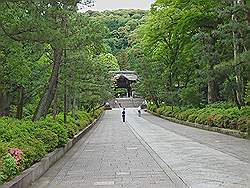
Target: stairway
[{"x": 126, "y": 102}]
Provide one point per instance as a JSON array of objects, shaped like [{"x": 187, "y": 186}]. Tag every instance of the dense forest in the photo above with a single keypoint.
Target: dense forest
[
  {"x": 122, "y": 25},
  {"x": 91, "y": 44},
  {"x": 196, "y": 52},
  {"x": 193, "y": 60},
  {"x": 54, "y": 73}
]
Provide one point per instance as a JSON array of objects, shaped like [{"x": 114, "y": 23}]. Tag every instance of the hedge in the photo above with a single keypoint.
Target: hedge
[
  {"x": 217, "y": 115},
  {"x": 23, "y": 142}
]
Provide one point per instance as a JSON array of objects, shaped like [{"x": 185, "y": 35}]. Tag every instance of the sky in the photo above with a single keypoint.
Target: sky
[{"x": 101, "y": 5}]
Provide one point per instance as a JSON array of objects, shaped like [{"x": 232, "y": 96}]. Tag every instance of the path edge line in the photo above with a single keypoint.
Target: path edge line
[{"x": 177, "y": 180}]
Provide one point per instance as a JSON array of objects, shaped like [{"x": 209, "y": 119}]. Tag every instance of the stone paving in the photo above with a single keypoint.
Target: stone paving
[
  {"x": 201, "y": 158},
  {"x": 111, "y": 157},
  {"x": 151, "y": 152}
]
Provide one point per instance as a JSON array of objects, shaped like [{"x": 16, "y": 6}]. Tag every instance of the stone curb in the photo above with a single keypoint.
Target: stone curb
[
  {"x": 33, "y": 173},
  {"x": 230, "y": 132}
]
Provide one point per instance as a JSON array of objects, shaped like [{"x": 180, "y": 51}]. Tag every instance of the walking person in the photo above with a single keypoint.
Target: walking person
[
  {"x": 139, "y": 111},
  {"x": 123, "y": 115}
]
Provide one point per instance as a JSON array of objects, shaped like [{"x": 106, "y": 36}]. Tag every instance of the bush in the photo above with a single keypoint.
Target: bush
[
  {"x": 34, "y": 150},
  {"x": 36, "y": 139},
  {"x": 49, "y": 138},
  {"x": 191, "y": 96},
  {"x": 224, "y": 117},
  {"x": 8, "y": 168},
  {"x": 248, "y": 129},
  {"x": 72, "y": 130},
  {"x": 242, "y": 124},
  {"x": 152, "y": 107},
  {"x": 160, "y": 110},
  {"x": 219, "y": 120},
  {"x": 221, "y": 105},
  {"x": 55, "y": 127},
  {"x": 83, "y": 119},
  {"x": 185, "y": 114},
  {"x": 192, "y": 117}
]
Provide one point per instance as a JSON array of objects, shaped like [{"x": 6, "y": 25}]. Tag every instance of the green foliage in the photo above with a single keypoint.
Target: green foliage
[
  {"x": 56, "y": 127},
  {"x": 36, "y": 139},
  {"x": 212, "y": 115},
  {"x": 186, "y": 50},
  {"x": 152, "y": 107},
  {"x": 191, "y": 96},
  {"x": 109, "y": 61},
  {"x": 49, "y": 138},
  {"x": 8, "y": 168},
  {"x": 248, "y": 93},
  {"x": 83, "y": 119},
  {"x": 121, "y": 25}
]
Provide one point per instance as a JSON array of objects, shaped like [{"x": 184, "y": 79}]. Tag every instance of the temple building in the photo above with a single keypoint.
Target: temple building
[{"x": 124, "y": 79}]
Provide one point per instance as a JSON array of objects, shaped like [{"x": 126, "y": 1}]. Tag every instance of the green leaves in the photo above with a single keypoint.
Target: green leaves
[{"x": 198, "y": 48}]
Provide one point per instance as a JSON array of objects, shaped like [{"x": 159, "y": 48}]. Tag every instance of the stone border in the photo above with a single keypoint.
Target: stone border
[
  {"x": 33, "y": 173},
  {"x": 230, "y": 132}
]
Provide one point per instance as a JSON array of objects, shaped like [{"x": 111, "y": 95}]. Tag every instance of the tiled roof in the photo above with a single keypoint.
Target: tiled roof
[{"x": 130, "y": 75}]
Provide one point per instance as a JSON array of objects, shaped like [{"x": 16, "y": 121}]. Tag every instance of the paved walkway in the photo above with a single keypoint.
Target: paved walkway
[{"x": 151, "y": 152}]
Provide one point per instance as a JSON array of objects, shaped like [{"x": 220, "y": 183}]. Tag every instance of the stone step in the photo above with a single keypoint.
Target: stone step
[{"x": 126, "y": 102}]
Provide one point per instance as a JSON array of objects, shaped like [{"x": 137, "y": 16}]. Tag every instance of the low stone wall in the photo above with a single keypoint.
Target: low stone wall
[
  {"x": 235, "y": 133},
  {"x": 37, "y": 170}
]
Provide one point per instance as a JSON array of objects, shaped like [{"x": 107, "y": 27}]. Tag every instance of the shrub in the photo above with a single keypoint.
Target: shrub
[
  {"x": 221, "y": 105},
  {"x": 72, "y": 130},
  {"x": 8, "y": 168},
  {"x": 160, "y": 110},
  {"x": 224, "y": 117},
  {"x": 35, "y": 139},
  {"x": 248, "y": 129},
  {"x": 192, "y": 117},
  {"x": 185, "y": 114},
  {"x": 49, "y": 138},
  {"x": 152, "y": 107},
  {"x": 33, "y": 149},
  {"x": 245, "y": 111},
  {"x": 202, "y": 118},
  {"x": 218, "y": 120},
  {"x": 83, "y": 119},
  {"x": 97, "y": 113},
  {"x": 242, "y": 124},
  {"x": 243, "y": 128},
  {"x": 211, "y": 120},
  {"x": 191, "y": 96},
  {"x": 232, "y": 124},
  {"x": 55, "y": 127}
]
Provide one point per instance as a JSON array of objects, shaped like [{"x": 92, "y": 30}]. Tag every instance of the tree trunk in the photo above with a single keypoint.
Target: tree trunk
[
  {"x": 244, "y": 2},
  {"x": 238, "y": 76},
  {"x": 19, "y": 111},
  {"x": 49, "y": 93},
  {"x": 55, "y": 105},
  {"x": 240, "y": 86},
  {"x": 248, "y": 16},
  {"x": 236, "y": 99},
  {"x": 4, "y": 104},
  {"x": 211, "y": 92},
  {"x": 65, "y": 106},
  {"x": 74, "y": 106}
]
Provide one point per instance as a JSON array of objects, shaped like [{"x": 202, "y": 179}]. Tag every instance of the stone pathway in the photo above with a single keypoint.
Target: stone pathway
[
  {"x": 111, "y": 157},
  {"x": 201, "y": 158},
  {"x": 151, "y": 152}
]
